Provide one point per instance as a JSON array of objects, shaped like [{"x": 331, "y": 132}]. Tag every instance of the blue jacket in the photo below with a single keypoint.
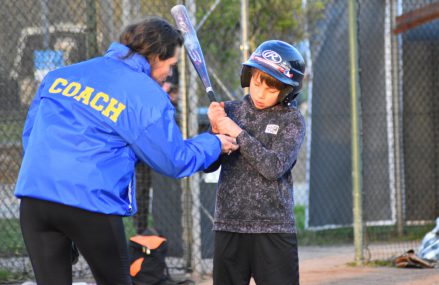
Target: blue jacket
[{"x": 88, "y": 125}]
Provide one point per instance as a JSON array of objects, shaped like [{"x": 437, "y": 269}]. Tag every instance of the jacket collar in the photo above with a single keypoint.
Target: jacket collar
[{"x": 135, "y": 61}]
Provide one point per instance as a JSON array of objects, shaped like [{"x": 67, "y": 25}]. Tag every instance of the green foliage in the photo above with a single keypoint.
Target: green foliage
[
  {"x": 6, "y": 275},
  {"x": 219, "y": 37},
  {"x": 380, "y": 263},
  {"x": 130, "y": 230},
  {"x": 373, "y": 234},
  {"x": 299, "y": 214},
  {"x": 276, "y": 19},
  {"x": 390, "y": 233},
  {"x": 11, "y": 241},
  {"x": 326, "y": 237},
  {"x": 10, "y": 132},
  {"x": 220, "y": 34},
  {"x": 374, "y": 263}
]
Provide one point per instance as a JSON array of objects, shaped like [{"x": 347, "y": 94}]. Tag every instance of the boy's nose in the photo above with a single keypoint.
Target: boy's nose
[{"x": 260, "y": 95}]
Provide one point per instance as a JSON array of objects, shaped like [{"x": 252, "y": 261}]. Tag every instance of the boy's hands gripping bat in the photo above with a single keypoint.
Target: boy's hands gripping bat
[{"x": 193, "y": 47}]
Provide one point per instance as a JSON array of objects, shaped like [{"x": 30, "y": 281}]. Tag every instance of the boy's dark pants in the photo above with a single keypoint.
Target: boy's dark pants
[{"x": 269, "y": 258}]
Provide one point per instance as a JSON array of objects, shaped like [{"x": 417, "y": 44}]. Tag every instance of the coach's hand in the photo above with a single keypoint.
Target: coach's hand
[
  {"x": 228, "y": 144},
  {"x": 227, "y": 126}
]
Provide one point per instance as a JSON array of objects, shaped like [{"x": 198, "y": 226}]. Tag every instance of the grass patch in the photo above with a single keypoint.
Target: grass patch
[
  {"x": 339, "y": 236},
  {"x": 390, "y": 233},
  {"x": 326, "y": 237},
  {"x": 9, "y": 276},
  {"x": 322, "y": 237},
  {"x": 374, "y": 263},
  {"x": 346, "y": 236},
  {"x": 299, "y": 214},
  {"x": 11, "y": 241},
  {"x": 130, "y": 228},
  {"x": 380, "y": 263}
]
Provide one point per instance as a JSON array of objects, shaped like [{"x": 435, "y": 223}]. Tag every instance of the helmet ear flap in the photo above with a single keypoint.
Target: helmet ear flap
[
  {"x": 285, "y": 92},
  {"x": 245, "y": 76},
  {"x": 289, "y": 98}
]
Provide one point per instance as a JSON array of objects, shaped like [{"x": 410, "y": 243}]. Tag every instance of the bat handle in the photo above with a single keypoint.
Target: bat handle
[{"x": 211, "y": 94}]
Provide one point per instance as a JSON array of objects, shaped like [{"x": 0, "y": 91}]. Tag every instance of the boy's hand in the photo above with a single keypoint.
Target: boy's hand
[{"x": 214, "y": 113}]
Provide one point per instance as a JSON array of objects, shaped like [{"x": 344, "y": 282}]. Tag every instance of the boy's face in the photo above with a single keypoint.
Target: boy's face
[{"x": 262, "y": 95}]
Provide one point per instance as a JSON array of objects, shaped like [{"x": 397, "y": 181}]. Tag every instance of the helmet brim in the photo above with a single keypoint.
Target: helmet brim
[{"x": 275, "y": 74}]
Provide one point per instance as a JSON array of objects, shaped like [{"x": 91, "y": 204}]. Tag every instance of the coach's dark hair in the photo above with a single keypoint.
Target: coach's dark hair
[{"x": 152, "y": 37}]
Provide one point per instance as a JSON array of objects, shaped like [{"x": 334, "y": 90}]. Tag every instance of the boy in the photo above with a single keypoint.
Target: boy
[{"x": 254, "y": 225}]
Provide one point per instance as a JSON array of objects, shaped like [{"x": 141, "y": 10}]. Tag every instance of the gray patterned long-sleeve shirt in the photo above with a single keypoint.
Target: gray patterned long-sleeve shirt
[{"x": 255, "y": 188}]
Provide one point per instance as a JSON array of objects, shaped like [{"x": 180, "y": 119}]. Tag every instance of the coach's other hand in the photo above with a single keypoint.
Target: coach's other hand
[
  {"x": 227, "y": 126},
  {"x": 228, "y": 144}
]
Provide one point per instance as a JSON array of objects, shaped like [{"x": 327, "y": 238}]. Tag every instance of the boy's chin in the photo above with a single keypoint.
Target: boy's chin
[
  {"x": 261, "y": 106},
  {"x": 258, "y": 105}
]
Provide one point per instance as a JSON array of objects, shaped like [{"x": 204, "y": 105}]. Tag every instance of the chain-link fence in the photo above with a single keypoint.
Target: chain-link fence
[{"x": 397, "y": 78}]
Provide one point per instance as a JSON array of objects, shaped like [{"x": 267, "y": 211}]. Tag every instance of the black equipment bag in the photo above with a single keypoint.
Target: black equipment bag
[{"x": 147, "y": 259}]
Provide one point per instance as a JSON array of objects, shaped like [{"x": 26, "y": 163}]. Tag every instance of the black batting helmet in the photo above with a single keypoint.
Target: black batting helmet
[{"x": 281, "y": 61}]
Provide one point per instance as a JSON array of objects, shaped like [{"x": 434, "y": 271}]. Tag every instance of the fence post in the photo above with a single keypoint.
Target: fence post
[
  {"x": 244, "y": 34},
  {"x": 185, "y": 195},
  {"x": 194, "y": 183},
  {"x": 309, "y": 82},
  {"x": 92, "y": 44},
  {"x": 396, "y": 49},
  {"x": 45, "y": 23},
  {"x": 356, "y": 134}
]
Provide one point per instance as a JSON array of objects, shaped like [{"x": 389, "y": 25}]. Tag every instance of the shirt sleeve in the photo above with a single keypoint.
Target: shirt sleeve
[
  {"x": 274, "y": 162},
  {"x": 162, "y": 147},
  {"x": 31, "y": 114}
]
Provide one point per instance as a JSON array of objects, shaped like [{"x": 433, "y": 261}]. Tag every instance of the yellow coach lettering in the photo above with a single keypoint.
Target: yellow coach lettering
[
  {"x": 112, "y": 108},
  {"x": 68, "y": 90},
  {"x": 85, "y": 95},
  {"x": 58, "y": 81},
  {"x": 101, "y": 102},
  {"x": 94, "y": 102}
]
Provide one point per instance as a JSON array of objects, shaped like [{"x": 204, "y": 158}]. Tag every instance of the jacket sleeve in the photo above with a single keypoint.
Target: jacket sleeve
[
  {"x": 31, "y": 114},
  {"x": 274, "y": 162},
  {"x": 162, "y": 147},
  {"x": 213, "y": 167}
]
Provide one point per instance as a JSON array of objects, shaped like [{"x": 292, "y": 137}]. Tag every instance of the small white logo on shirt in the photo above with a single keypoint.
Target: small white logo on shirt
[{"x": 272, "y": 129}]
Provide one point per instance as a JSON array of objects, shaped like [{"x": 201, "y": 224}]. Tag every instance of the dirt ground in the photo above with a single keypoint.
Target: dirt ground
[{"x": 330, "y": 266}]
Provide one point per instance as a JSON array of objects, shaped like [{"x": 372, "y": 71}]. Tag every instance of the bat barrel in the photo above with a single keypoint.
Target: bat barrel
[{"x": 193, "y": 48}]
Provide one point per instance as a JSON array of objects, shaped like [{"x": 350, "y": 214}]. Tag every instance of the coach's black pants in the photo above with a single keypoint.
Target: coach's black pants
[
  {"x": 48, "y": 230},
  {"x": 271, "y": 259}
]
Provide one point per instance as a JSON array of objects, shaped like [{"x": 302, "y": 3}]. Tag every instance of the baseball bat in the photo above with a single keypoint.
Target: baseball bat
[{"x": 193, "y": 48}]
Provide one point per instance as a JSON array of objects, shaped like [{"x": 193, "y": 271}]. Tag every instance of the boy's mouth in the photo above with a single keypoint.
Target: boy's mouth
[{"x": 258, "y": 104}]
